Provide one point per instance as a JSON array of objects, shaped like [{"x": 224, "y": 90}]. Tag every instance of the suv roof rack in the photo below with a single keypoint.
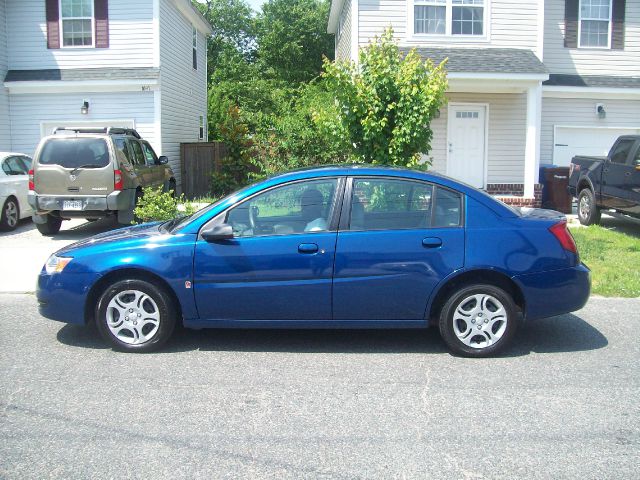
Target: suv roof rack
[{"x": 105, "y": 130}]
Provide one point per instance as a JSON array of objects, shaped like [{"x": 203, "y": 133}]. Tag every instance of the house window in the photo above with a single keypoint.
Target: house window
[
  {"x": 194, "y": 34},
  {"x": 449, "y": 17},
  {"x": 595, "y": 23},
  {"x": 201, "y": 133},
  {"x": 76, "y": 19}
]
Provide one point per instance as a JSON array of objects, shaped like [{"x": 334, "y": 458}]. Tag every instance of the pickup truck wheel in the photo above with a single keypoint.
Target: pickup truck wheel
[
  {"x": 588, "y": 212},
  {"x": 51, "y": 226}
]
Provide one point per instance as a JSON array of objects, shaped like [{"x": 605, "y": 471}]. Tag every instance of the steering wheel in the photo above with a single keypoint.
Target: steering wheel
[{"x": 253, "y": 216}]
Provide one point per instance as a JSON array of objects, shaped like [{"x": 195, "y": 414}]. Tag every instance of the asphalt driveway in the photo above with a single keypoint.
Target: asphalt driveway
[{"x": 563, "y": 402}]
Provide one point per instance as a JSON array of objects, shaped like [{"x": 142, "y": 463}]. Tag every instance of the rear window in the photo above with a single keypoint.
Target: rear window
[{"x": 75, "y": 153}]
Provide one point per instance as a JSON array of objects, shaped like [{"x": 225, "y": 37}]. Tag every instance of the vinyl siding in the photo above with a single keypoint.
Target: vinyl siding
[
  {"x": 29, "y": 111},
  {"x": 5, "y": 130},
  {"x": 512, "y": 24},
  {"x": 131, "y": 38},
  {"x": 559, "y": 59},
  {"x": 581, "y": 112},
  {"x": 184, "y": 90},
  {"x": 506, "y": 139},
  {"x": 343, "y": 42}
]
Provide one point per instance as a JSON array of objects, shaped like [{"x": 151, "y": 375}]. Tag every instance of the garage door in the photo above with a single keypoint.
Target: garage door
[{"x": 596, "y": 141}]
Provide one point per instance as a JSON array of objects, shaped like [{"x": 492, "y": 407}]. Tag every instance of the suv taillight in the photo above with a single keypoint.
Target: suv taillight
[
  {"x": 32, "y": 185},
  {"x": 117, "y": 180},
  {"x": 561, "y": 232}
]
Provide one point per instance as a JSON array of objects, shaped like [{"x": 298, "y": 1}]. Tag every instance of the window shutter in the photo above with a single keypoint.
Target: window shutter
[
  {"x": 53, "y": 24},
  {"x": 101, "y": 13},
  {"x": 617, "y": 28},
  {"x": 571, "y": 23}
]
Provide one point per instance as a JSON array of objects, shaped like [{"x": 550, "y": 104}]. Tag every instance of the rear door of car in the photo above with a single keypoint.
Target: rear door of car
[
  {"x": 151, "y": 160},
  {"x": 144, "y": 171},
  {"x": 74, "y": 165},
  {"x": 397, "y": 239}
]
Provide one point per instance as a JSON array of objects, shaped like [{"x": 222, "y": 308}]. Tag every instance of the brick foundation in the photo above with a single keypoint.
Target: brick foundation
[{"x": 513, "y": 194}]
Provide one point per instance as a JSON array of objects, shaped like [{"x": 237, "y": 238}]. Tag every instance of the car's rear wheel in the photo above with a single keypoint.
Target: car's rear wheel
[
  {"x": 10, "y": 215},
  {"x": 588, "y": 212},
  {"x": 51, "y": 226},
  {"x": 135, "y": 316},
  {"x": 478, "y": 320}
]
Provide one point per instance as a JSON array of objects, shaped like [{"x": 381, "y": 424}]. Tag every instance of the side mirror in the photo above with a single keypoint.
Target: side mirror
[
  {"x": 163, "y": 160},
  {"x": 222, "y": 231}
]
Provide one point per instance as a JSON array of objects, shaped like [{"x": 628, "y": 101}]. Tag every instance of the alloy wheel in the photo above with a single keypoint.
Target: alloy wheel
[
  {"x": 133, "y": 317},
  {"x": 480, "y": 321}
]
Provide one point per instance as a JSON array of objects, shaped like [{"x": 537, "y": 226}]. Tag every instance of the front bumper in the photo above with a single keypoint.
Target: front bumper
[
  {"x": 62, "y": 296},
  {"x": 555, "y": 292},
  {"x": 118, "y": 200}
]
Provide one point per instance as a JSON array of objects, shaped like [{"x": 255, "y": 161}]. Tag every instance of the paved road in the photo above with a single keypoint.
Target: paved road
[{"x": 563, "y": 403}]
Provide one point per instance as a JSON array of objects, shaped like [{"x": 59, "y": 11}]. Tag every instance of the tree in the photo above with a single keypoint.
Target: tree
[
  {"x": 292, "y": 38},
  {"x": 387, "y": 102}
]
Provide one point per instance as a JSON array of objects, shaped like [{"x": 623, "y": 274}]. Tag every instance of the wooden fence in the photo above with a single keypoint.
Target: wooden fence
[{"x": 198, "y": 162}]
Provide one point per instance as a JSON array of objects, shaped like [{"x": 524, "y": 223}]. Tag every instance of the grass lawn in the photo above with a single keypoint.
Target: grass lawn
[{"x": 614, "y": 260}]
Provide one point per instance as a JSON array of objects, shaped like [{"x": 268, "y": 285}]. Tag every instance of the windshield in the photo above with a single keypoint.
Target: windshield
[{"x": 75, "y": 153}]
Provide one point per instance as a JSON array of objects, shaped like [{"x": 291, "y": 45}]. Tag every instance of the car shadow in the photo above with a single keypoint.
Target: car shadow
[
  {"x": 620, "y": 223},
  {"x": 566, "y": 333},
  {"x": 87, "y": 229}
]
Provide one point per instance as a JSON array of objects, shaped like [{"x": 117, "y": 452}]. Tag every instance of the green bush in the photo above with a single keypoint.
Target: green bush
[{"x": 158, "y": 205}]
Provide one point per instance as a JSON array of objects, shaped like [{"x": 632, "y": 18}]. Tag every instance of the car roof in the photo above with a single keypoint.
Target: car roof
[{"x": 11, "y": 154}]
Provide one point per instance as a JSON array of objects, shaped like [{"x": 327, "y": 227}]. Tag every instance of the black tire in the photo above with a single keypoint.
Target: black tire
[
  {"x": 51, "y": 226},
  {"x": 588, "y": 211},
  {"x": 451, "y": 320},
  {"x": 10, "y": 216},
  {"x": 131, "y": 334}
]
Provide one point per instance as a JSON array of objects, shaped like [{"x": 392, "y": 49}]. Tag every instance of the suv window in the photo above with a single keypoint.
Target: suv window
[
  {"x": 75, "y": 152},
  {"x": 389, "y": 204},
  {"x": 138, "y": 156},
  {"x": 149, "y": 154},
  {"x": 301, "y": 207},
  {"x": 621, "y": 151},
  {"x": 121, "y": 146}
]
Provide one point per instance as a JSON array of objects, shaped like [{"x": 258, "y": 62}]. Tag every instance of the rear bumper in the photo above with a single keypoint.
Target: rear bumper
[
  {"x": 119, "y": 200},
  {"x": 555, "y": 292}
]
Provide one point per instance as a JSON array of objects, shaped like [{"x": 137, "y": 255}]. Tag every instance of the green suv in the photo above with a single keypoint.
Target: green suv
[{"x": 92, "y": 173}]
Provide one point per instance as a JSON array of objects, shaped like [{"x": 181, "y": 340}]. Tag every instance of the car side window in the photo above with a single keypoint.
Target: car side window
[
  {"x": 390, "y": 204},
  {"x": 636, "y": 160},
  {"x": 621, "y": 151},
  {"x": 14, "y": 166},
  {"x": 136, "y": 150},
  {"x": 28, "y": 161},
  {"x": 301, "y": 207},
  {"x": 122, "y": 147},
  {"x": 149, "y": 154},
  {"x": 448, "y": 208}
]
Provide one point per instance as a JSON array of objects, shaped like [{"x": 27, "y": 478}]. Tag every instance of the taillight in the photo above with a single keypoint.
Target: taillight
[
  {"x": 32, "y": 185},
  {"x": 117, "y": 180},
  {"x": 561, "y": 232}
]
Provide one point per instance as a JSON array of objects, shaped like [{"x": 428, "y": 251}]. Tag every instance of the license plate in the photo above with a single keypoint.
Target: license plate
[{"x": 72, "y": 205}]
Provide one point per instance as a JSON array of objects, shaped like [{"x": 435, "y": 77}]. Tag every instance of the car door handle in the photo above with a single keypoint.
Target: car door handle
[
  {"x": 307, "y": 248},
  {"x": 431, "y": 242}
]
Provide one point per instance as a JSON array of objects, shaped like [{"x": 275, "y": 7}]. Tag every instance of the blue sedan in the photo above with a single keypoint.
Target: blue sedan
[{"x": 331, "y": 247}]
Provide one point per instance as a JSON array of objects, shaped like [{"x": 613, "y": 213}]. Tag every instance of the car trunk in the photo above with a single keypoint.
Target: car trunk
[{"x": 74, "y": 166}]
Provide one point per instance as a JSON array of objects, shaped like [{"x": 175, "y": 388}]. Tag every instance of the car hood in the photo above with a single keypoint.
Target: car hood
[{"x": 145, "y": 230}]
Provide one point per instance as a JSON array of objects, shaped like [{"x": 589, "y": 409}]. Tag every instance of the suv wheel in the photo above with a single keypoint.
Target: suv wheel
[
  {"x": 51, "y": 226},
  {"x": 478, "y": 320},
  {"x": 588, "y": 212},
  {"x": 10, "y": 215}
]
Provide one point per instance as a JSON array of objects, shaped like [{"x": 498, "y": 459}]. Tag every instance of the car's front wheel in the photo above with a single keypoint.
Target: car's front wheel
[
  {"x": 135, "y": 316},
  {"x": 478, "y": 320}
]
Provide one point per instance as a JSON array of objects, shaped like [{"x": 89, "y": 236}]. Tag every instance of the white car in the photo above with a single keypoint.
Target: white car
[{"x": 14, "y": 186}]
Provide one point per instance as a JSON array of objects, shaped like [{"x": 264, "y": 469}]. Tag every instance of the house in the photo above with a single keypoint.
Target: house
[
  {"x": 89, "y": 63},
  {"x": 530, "y": 82}
]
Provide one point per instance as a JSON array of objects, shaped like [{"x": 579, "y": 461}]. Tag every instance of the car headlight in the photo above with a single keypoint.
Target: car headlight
[{"x": 56, "y": 264}]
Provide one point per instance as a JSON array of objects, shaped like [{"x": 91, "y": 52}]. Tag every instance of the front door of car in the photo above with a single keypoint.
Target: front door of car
[
  {"x": 632, "y": 182},
  {"x": 397, "y": 240},
  {"x": 279, "y": 265},
  {"x": 151, "y": 159},
  {"x": 143, "y": 171},
  {"x": 616, "y": 174}
]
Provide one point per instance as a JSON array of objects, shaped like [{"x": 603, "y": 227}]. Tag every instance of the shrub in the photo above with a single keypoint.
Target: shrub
[{"x": 158, "y": 205}]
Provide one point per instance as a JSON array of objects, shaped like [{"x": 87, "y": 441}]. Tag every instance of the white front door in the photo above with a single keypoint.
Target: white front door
[{"x": 467, "y": 143}]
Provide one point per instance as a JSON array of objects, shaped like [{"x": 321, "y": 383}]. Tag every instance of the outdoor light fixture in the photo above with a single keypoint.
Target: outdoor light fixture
[
  {"x": 84, "y": 109},
  {"x": 600, "y": 111}
]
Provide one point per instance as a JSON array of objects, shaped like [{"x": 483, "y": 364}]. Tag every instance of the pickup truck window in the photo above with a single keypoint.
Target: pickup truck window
[
  {"x": 621, "y": 151},
  {"x": 636, "y": 161}
]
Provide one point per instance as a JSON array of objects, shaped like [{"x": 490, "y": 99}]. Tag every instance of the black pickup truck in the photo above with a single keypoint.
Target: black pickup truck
[{"x": 607, "y": 183}]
